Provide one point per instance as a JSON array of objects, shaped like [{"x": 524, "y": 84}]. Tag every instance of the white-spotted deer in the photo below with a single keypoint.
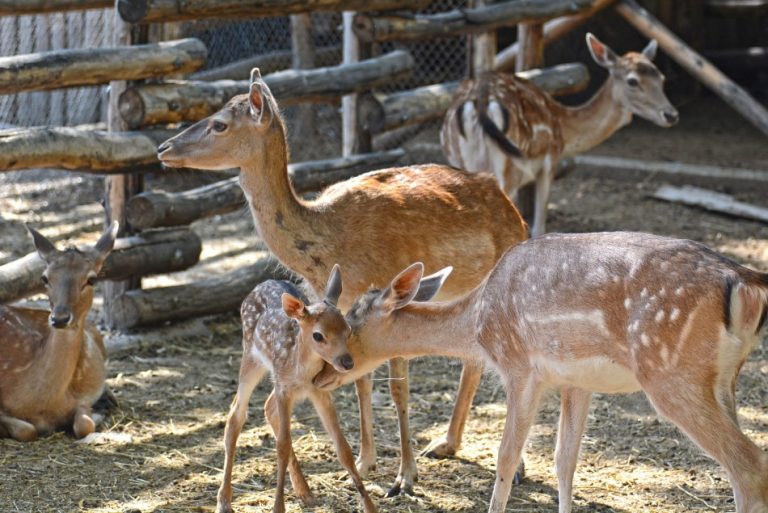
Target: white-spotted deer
[
  {"x": 583, "y": 313},
  {"x": 510, "y": 127},
  {"x": 290, "y": 339},
  {"x": 372, "y": 225},
  {"x": 52, "y": 364}
]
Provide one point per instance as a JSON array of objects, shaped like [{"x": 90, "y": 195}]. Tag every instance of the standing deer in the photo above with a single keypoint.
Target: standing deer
[
  {"x": 290, "y": 339},
  {"x": 52, "y": 364},
  {"x": 510, "y": 127},
  {"x": 372, "y": 225},
  {"x": 583, "y": 313}
]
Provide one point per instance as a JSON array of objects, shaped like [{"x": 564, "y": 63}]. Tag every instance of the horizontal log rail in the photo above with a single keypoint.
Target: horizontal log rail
[
  {"x": 93, "y": 66},
  {"x": 22, "y": 7},
  {"x": 172, "y": 102}
]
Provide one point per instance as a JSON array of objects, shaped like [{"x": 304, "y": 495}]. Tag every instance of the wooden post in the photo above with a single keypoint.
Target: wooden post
[
  {"x": 350, "y": 54},
  {"x": 303, "y": 57},
  {"x": 482, "y": 48}
]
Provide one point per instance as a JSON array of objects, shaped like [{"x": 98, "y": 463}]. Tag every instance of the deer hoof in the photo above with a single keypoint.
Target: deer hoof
[
  {"x": 519, "y": 473},
  {"x": 439, "y": 449}
]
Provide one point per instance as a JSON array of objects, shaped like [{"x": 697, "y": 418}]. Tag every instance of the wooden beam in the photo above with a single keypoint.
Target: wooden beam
[
  {"x": 148, "y": 11},
  {"x": 172, "y": 102},
  {"x": 712, "y": 201},
  {"x": 695, "y": 64},
  {"x": 152, "y": 252},
  {"x": 371, "y": 28},
  {"x": 92, "y": 66},
  {"x": 22, "y": 7},
  {"x": 267, "y": 63}
]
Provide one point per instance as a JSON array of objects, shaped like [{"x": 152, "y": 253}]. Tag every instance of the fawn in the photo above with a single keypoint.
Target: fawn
[{"x": 54, "y": 363}]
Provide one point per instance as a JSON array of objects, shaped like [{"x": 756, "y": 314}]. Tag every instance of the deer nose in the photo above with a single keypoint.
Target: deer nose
[
  {"x": 670, "y": 116},
  {"x": 346, "y": 362},
  {"x": 60, "y": 320},
  {"x": 165, "y": 146}
]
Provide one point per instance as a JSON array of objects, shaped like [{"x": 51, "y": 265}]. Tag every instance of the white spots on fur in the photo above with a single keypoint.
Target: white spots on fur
[
  {"x": 663, "y": 292},
  {"x": 564, "y": 266},
  {"x": 674, "y": 314},
  {"x": 627, "y": 303},
  {"x": 664, "y": 353},
  {"x": 594, "y": 317},
  {"x": 645, "y": 339},
  {"x": 659, "y": 316},
  {"x": 634, "y": 326},
  {"x": 679, "y": 291},
  {"x": 644, "y": 293}
]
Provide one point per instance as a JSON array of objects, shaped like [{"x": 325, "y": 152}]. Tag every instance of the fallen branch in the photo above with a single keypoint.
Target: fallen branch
[
  {"x": 671, "y": 168},
  {"x": 710, "y": 200}
]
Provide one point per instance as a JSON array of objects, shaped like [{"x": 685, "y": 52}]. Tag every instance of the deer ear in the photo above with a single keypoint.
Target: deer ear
[
  {"x": 333, "y": 288},
  {"x": 602, "y": 55},
  {"x": 257, "y": 95},
  {"x": 44, "y": 247},
  {"x": 430, "y": 285},
  {"x": 404, "y": 287},
  {"x": 106, "y": 242},
  {"x": 650, "y": 49},
  {"x": 293, "y": 306}
]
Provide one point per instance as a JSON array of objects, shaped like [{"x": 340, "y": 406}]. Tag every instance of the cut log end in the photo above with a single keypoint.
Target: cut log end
[
  {"x": 132, "y": 11},
  {"x": 131, "y": 108}
]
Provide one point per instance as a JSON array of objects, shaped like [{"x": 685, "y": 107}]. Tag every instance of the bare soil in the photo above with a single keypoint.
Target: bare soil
[{"x": 162, "y": 447}]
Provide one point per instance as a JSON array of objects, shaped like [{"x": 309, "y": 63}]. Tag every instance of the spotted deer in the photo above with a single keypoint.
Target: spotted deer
[
  {"x": 510, "y": 127},
  {"x": 372, "y": 225},
  {"x": 289, "y": 338},
  {"x": 53, "y": 364},
  {"x": 582, "y": 313}
]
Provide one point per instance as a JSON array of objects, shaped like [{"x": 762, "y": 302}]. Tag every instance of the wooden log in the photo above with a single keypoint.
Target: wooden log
[
  {"x": 91, "y": 66},
  {"x": 267, "y": 63},
  {"x": 222, "y": 294},
  {"x": 650, "y": 167},
  {"x": 152, "y": 252},
  {"x": 172, "y": 102},
  {"x": 22, "y": 7},
  {"x": 712, "y": 201},
  {"x": 91, "y": 151},
  {"x": 152, "y": 209},
  {"x": 430, "y": 102},
  {"x": 146, "y": 11},
  {"x": 371, "y": 28},
  {"x": 695, "y": 64}
]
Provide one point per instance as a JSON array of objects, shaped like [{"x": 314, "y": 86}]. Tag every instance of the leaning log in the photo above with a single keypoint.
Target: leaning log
[
  {"x": 267, "y": 63},
  {"x": 92, "y": 66},
  {"x": 207, "y": 297},
  {"x": 430, "y": 102},
  {"x": 172, "y": 102},
  {"x": 152, "y": 252},
  {"x": 91, "y": 151},
  {"x": 147, "y": 11},
  {"x": 371, "y": 28},
  {"x": 152, "y": 209},
  {"x": 21, "y": 7}
]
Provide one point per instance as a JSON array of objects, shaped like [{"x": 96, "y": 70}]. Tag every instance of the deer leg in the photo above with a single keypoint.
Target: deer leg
[
  {"x": 284, "y": 446},
  {"x": 398, "y": 388},
  {"x": 327, "y": 411},
  {"x": 543, "y": 184},
  {"x": 83, "y": 425},
  {"x": 523, "y": 394},
  {"x": 18, "y": 429},
  {"x": 366, "y": 461},
  {"x": 574, "y": 406},
  {"x": 251, "y": 373},
  {"x": 298, "y": 481}
]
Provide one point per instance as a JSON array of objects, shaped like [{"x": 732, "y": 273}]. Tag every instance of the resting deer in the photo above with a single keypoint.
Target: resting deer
[
  {"x": 583, "y": 313},
  {"x": 372, "y": 225},
  {"x": 507, "y": 125},
  {"x": 52, "y": 364},
  {"x": 293, "y": 353}
]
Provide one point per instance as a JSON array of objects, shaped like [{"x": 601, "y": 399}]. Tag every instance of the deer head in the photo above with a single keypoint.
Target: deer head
[
  {"x": 323, "y": 325},
  {"x": 229, "y": 137},
  {"x": 70, "y": 274},
  {"x": 637, "y": 82}
]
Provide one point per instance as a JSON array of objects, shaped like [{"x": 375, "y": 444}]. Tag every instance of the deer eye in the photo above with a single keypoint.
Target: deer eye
[
  {"x": 91, "y": 281},
  {"x": 44, "y": 279},
  {"x": 633, "y": 82},
  {"x": 318, "y": 336},
  {"x": 219, "y": 126}
]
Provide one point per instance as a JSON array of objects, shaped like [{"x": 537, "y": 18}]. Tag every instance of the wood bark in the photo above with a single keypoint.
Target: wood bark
[
  {"x": 207, "y": 297},
  {"x": 152, "y": 252},
  {"x": 695, "y": 64},
  {"x": 371, "y": 28},
  {"x": 152, "y": 209},
  {"x": 91, "y": 66},
  {"x": 303, "y": 57},
  {"x": 22, "y": 7},
  {"x": 173, "y": 102},
  {"x": 146, "y": 11},
  {"x": 77, "y": 149}
]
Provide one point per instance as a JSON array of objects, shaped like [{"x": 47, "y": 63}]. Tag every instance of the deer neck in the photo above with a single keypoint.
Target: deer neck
[{"x": 591, "y": 123}]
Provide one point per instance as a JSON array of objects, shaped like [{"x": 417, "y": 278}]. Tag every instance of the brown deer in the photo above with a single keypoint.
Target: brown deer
[
  {"x": 372, "y": 225},
  {"x": 510, "y": 127},
  {"x": 52, "y": 364},
  {"x": 583, "y": 313},
  {"x": 290, "y": 339}
]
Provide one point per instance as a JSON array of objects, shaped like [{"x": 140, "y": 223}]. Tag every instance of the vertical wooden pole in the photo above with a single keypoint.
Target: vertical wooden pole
[
  {"x": 483, "y": 48},
  {"x": 350, "y": 54},
  {"x": 303, "y": 57}
]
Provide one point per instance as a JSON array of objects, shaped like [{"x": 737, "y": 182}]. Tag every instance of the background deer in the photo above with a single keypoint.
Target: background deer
[
  {"x": 510, "y": 127},
  {"x": 52, "y": 364},
  {"x": 583, "y": 313},
  {"x": 372, "y": 225},
  {"x": 293, "y": 353}
]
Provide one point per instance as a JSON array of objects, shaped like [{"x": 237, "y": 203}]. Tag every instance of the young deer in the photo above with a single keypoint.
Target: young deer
[
  {"x": 583, "y": 313},
  {"x": 506, "y": 125},
  {"x": 52, "y": 364},
  {"x": 293, "y": 353},
  {"x": 372, "y": 225}
]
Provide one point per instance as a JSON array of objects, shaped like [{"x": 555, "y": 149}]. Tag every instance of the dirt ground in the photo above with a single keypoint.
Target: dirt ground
[{"x": 162, "y": 448}]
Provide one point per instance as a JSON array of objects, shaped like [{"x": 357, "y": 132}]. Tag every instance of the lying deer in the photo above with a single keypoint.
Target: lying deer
[
  {"x": 583, "y": 313},
  {"x": 291, "y": 340},
  {"x": 507, "y": 125},
  {"x": 53, "y": 363},
  {"x": 372, "y": 225}
]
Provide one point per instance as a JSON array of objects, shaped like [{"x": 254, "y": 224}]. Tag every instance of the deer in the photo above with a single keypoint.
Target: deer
[
  {"x": 372, "y": 225},
  {"x": 510, "y": 127},
  {"x": 613, "y": 312},
  {"x": 53, "y": 363},
  {"x": 291, "y": 339}
]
